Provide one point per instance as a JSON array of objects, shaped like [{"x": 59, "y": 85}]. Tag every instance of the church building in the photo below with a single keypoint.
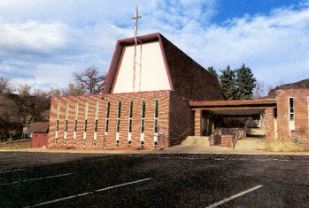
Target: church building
[
  {"x": 155, "y": 96},
  {"x": 145, "y": 103}
]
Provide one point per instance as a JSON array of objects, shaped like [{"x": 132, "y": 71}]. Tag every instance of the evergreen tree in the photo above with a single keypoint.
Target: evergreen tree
[
  {"x": 213, "y": 71},
  {"x": 245, "y": 83},
  {"x": 228, "y": 84}
]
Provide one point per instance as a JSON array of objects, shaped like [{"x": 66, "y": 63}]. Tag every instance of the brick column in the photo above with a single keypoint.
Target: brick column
[
  {"x": 269, "y": 124},
  {"x": 197, "y": 122}
]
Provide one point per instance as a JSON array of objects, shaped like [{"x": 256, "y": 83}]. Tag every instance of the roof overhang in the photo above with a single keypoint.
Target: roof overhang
[{"x": 234, "y": 107}]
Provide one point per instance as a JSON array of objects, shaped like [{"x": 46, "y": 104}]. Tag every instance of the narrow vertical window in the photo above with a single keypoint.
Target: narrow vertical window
[
  {"x": 118, "y": 116},
  {"x": 96, "y": 116},
  {"x": 118, "y": 122},
  {"x": 75, "y": 122},
  {"x": 66, "y": 123},
  {"x": 85, "y": 122},
  {"x": 291, "y": 109},
  {"x": 130, "y": 122},
  {"x": 57, "y": 122},
  {"x": 143, "y": 116},
  {"x": 96, "y": 123},
  {"x": 156, "y": 115},
  {"x": 108, "y": 105},
  {"x": 143, "y": 123}
]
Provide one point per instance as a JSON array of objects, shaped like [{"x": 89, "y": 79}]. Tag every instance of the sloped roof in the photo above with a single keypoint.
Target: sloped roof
[
  {"x": 38, "y": 127},
  {"x": 173, "y": 57},
  {"x": 296, "y": 85}
]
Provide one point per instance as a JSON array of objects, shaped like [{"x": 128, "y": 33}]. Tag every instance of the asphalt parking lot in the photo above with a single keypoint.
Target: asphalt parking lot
[{"x": 158, "y": 180}]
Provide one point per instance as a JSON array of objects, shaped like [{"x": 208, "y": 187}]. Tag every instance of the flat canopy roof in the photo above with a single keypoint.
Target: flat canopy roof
[
  {"x": 234, "y": 107},
  {"x": 232, "y": 103}
]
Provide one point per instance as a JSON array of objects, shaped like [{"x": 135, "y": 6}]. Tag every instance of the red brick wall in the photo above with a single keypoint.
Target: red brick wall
[
  {"x": 180, "y": 119},
  {"x": 189, "y": 78},
  {"x": 224, "y": 140},
  {"x": 269, "y": 123},
  {"x": 197, "y": 122},
  {"x": 300, "y": 107},
  {"x": 39, "y": 140},
  {"x": 109, "y": 141},
  {"x": 191, "y": 82}
]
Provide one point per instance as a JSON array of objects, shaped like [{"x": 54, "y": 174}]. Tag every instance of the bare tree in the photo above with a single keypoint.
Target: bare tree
[
  {"x": 40, "y": 93},
  {"x": 5, "y": 86},
  {"x": 8, "y": 116},
  {"x": 24, "y": 90},
  {"x": 259, "y": 90},
  {"x": 54, "y": 92},
  {"x": 91, "y": 80},
  {"x": 74, "y": 89}
]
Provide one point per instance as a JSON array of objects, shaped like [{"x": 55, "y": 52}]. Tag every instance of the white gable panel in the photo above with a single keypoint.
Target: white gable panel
[{"x": 150, "y": 75}]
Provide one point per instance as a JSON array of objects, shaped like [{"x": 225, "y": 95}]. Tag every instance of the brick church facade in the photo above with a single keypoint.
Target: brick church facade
[{"x": 157, "y": 100}]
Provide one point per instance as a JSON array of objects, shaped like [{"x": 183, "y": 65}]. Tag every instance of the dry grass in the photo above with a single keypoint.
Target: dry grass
[
  {"x": 283, "y": 146},
  {"x": 13, "y": 145}
]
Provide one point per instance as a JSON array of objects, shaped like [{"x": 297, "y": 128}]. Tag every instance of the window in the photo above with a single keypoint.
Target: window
[
  {"x": 130, "y": 122},
  {"x": 66, "y": 126},
  {"x": 66, "y": 123},
  {"x": 85, "y": 126},
  {"x": 143, "y": 117},
  {"x": 291, "y": 109},
  {"x": 57, "y": 125},
  {"x": 156, "y": 115},
  {"x": 118, "y": 117},
  {"x": 130, "y": 116},
  {"x": 96, "y": 123},
  {"x": 107, "y": 116},
  {"x": 75, "y": 122},
  {"x": 118, "y": 122},
  {"x": 143, "y": 123},
  {"x": 85, "y": 122},
  {"x": 96, "y": 116},
  {"x": 57, "y": 122}
]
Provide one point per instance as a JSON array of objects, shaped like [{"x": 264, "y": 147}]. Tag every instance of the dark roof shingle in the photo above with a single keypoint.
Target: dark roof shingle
[{"x": 38, "y": 127}]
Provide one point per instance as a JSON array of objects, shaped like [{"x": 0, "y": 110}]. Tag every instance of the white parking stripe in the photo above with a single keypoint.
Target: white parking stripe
[
  {"x": 235, "y": 196},
  {"x": 12, "y": 171},
  {"x": 37, "y": 179},
  {"x": 88, "y": 193},
  {"x": 222, "y": 159}
]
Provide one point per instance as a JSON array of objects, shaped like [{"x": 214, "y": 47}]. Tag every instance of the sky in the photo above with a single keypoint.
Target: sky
[{"x": 43, "y": 42}]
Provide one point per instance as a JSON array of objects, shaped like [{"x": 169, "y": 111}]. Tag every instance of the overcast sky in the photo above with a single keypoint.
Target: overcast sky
[{"x": 42, "y": 42}]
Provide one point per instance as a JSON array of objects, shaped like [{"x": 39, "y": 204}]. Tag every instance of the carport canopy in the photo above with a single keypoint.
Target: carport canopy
[{"x": 231, "y": 108}]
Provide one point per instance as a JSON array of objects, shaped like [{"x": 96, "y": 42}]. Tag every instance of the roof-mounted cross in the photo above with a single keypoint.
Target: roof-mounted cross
[{"x": 136, "y": 18}]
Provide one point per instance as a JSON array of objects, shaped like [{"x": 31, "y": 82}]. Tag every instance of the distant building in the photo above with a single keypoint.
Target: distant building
[
  {"x": 39, "y": 134},
  {"x": 155, "y": 96}
]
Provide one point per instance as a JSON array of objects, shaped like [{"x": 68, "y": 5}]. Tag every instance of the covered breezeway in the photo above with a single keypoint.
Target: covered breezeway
[{"x": 225, "y": 122}]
